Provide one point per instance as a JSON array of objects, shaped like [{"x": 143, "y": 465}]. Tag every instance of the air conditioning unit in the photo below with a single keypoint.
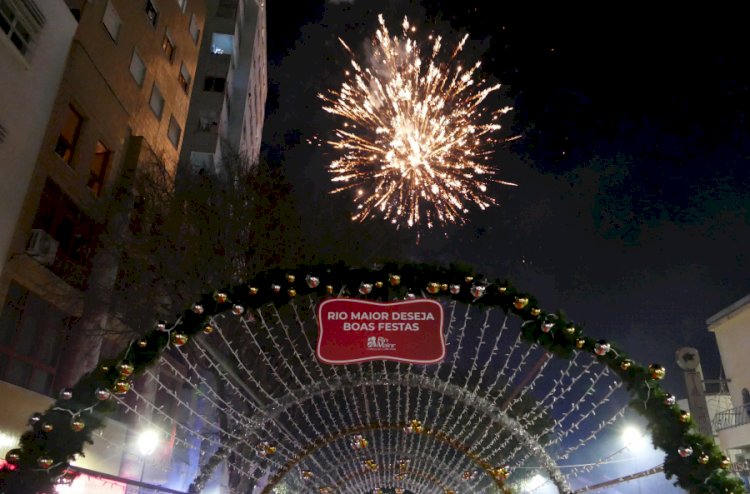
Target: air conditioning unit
[{"x": 42, "y": 247}]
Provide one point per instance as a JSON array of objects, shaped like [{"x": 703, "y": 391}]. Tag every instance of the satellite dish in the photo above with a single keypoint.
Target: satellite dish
[{"x": 687, "y": 358}]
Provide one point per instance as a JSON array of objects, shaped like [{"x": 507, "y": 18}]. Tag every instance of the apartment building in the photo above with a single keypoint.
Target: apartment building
[
  {"x": 96, "y": 88},
  {"x": 731, "y": 327},
  {"x": 228, "y": 105},
  {"x": 35, "y": 43}
]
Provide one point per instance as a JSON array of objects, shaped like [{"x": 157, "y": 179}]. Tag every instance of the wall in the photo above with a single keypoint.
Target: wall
[{"x": 27, "y": 92}]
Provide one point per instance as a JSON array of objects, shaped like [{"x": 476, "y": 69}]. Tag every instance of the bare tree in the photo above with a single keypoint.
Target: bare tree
[{"x": 172, "y": 237}]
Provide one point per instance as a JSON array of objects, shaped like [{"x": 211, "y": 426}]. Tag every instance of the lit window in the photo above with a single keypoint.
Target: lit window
[
  {"x": 68, "y": 138},
  {"x": 184, "y": 78},
  {"x": 156, "y": 102},
  {"x": 99, "y": 166},
  {"x": 167, "y": 45},
  {"x": 20, "y": 20},
  {"x": 151, "y": 13},
  {"x": 222, "y": 44},
  {"x": 195, "y": 29},
  {"x": 174, "y": 131},
  {"x": 112, "y": 21},
  {"x": 137, "y": 68}
]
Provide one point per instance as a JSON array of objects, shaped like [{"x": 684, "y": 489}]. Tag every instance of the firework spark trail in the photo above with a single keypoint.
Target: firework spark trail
[{"x": 415, "y": 143}]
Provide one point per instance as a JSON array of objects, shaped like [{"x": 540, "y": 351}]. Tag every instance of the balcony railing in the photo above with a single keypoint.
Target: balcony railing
[{"x": 733, "y": 417}]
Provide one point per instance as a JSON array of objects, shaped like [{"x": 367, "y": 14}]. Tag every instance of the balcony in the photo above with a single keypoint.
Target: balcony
[
  {"x": 733, "y": 427},
  {"x": 734, "y": 417}
]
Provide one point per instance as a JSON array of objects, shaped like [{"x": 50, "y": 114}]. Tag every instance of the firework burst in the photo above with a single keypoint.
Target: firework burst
[{"x": 415, "y": 141}]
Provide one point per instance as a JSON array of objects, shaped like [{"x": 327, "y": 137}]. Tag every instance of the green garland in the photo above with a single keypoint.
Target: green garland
[{"x": 44, "y": 453}]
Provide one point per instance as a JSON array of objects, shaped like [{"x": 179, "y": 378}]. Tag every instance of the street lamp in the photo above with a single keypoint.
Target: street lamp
[{"x": 147, "y": 442}]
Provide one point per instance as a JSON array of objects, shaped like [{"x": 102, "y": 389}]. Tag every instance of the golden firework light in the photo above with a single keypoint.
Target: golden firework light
[{"x": 415, "y": 141}]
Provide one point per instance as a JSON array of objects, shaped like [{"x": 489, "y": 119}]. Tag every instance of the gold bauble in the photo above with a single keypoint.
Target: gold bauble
[
  {"x": 270, "y": 450},
  {"x": 703, "y": 458},
  {"x": 520, "y": 302},
  {"x": 142, "y": 343},
  {"x": 469, "y": 279},
  {"x": 378, "y": 284},
  {"x": 13, "y": 456},
  {"x": 570, "y": 329},
  {"x": 725, "y": 463},
  {"x": 290, "y": 278},
  {"x": 253, "y": 290},
  {"x": 535, "y": 311},
  {"x": 433, "y": 288},
  {"x": 444, "y": 287},
  {"x": 329, "y": 289},
  {"x": 198, "y": 309},
  {"x": 580, "y": 342},
  {"x": 77, "y": 425},
  {"x": 394, "y": 279},
  {"x": 45, "y": 462},
  {"x": 291, "y": 292},
  {"x": 502, "y": 289},
  {"x": 221, "y": 297},
  {"x": 47, "y": 427},
  {"x": 626, "y": 364},
  {"x": 208, "y": 329},
  {"x": 684, "y": 416},
  {"x": 657, "y": 372}
]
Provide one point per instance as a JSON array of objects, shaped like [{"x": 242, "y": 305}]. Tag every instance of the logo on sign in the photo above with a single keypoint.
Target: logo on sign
[
  {"x": 379, "y": 343},
  {"x": 351, "y": 331}
]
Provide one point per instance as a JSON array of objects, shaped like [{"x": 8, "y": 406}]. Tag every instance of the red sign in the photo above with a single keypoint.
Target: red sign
[{"x": 351, "y": 331}]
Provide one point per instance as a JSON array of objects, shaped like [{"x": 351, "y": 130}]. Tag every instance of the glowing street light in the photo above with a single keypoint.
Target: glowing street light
[{"x": 147, "y": 442}]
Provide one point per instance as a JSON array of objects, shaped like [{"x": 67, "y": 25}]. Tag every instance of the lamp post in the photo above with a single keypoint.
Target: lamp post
[{"x": 147, "y": 442}]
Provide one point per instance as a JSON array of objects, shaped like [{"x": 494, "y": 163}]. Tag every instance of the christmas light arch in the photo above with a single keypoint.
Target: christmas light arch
[{"x": 60, "y": 433}]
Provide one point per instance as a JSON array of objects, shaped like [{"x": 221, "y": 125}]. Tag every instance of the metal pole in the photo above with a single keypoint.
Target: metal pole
[{"x": 115, "y": 478}]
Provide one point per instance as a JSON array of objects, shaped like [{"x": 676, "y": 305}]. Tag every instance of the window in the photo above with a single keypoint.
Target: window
[
  {"x": 68, "y": 138},
  {"x": 174, "y": 131},
  {"x": 167, "y": 45},
  {"x": 184, "y": 78},
  {"x": 195, "y": 30},
  {"x": 99, "y": 166},
  {"x": 111, "y": 20},
  {"x": 157, "y": 101},
  {"x": 32, "y": 332},
  {"x": 20, "y": 20},
  {"x": 137, "y": 68},
  {"x": 151, "y": 13},
  {"x": 76, "y": 233},
  {"x": 222, "y": 44},
  {"x": 214, "y": 84},
  {"x": 3, "y": 134}
]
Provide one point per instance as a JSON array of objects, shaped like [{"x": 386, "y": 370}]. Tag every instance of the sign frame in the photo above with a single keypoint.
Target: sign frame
[{"x": 320, "y": 350}]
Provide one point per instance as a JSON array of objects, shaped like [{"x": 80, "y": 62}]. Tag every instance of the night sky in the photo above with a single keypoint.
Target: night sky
[{"x": 633, "y": 207}]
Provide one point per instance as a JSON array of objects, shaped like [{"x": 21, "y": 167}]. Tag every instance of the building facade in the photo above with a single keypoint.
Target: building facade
[
  {"x": 227, "y": 108},
  {"x": 95, "y": 90},
  {"x": 35, "y": 42},
  {"x": 731, "y": 327}
]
